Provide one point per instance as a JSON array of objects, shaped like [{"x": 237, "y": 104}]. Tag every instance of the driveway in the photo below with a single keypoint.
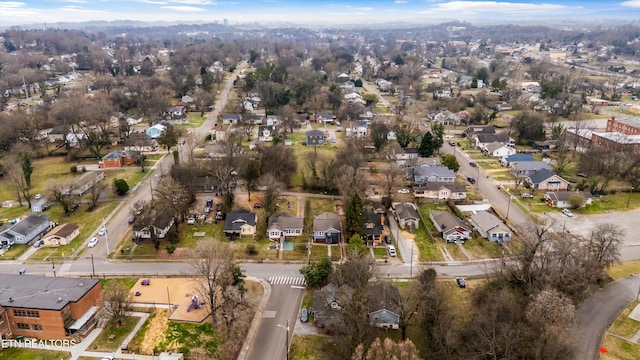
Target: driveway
[{"x": 596, "y": 313}]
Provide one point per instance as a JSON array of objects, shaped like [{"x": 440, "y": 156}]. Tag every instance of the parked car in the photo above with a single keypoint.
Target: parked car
[
  {"x": 567, "y": 212},
  {"x": 403, "y": 191},
  {"x": 451, "y": 143},
  {"x": 39, "y": 196},
  {"x": 38, "y": 243},
  {"x": 471, "y": 179},
  {"x": 93, "y": 242},
  {"x": 102, "y": 231},
  {"x": 387, "y": 239},
  {"x": 304, "y": 315},
  {"x": 391, "y": 250},
  {"x": 257, "y": 205},
  {"x": 209, "y": 203},
  {"x": 191, "y": 220},
  {"x": 526, "y": 196},
  {"x": 132, "y": 219},
  {"x": 461, "y": 283},
  {"x": 473, "y": 164}
]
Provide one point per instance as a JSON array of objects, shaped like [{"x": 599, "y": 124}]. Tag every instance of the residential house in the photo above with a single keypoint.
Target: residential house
[
  {"x": 497, "y": 149},
  {"x": 255, "y": 119},
  {"x": 239, "y": 223},
  {"x": 186, "y": 99},
  {"x": 118, "y": 158},
  {"x": 53, "y": 308},
  {"x": 441, "y": 191},
  {"x": 219, "y": 132},
  {"x": 482, "y": 140},
  {"x": 490, "y": 227},
  {"x": 140, "y": 142},
  {"x": 526, "y": 168},
  {"x": 273, "y": 120},
  {"x": 474, "y": 130},
  {"x": 443, "y": 93},
  {"x": 404, "y": 155},
  {"x": 228, "y": 119},
  {"x": 24, "y": 231},
  {"x": 424, "y": 174},
  {"x": 407, "y": 216},
  {"x": 360, "y": 129},
  {"x": 83, "y": 183},
  {"x": 134, "y": 120},
  {"x": 328, "y": 303},
  {"x": 327, "y": 228},
  {"x": 373, "y": 226},
  {"x": 315, "y": 137},
  {"x": 283, "y": 225},
  {"x": 504, "y": 106},
  {"x": 154, "y": 225},
  {"x": 451, "y": 227},
  {"x": 175, "y": 113},
  {"x": 561, "y": 199},
  {"x": 325, "y": 118},
  {"x": 206, "y": 184},
  {"x": 266, "y": 133},
  {"x": 447, "y": 118},
  {"x": 391, "y": 136},
  {"x": 155, "y": 131},
  {"x": 384, "y": 306},
  {"x": 58, "y": 133},
  {"x": 510, "y": 159},
  {"x": 75, "y": 139},
  {"x": 61, "y": 235},
  {"x": 546, "y": 180},
  {"x": 40, "y": 205},
  {"x": 250, "y": 104}
]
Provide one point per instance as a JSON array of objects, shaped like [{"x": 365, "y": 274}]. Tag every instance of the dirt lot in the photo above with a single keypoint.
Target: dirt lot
[{"x": 177, "y": 290}]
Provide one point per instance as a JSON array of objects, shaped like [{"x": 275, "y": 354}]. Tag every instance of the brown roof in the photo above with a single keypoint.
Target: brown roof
[{"x": 63, "y": 230}]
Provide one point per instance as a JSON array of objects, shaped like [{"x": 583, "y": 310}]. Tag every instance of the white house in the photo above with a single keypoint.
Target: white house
[{"x": 498, "y": 150}]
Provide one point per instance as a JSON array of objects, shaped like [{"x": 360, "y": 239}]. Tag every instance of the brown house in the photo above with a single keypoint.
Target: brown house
[
  {"x": 50, "y": 308},
  {"x": 118, "y": 158},
  {"x": 61, "y": 235}
]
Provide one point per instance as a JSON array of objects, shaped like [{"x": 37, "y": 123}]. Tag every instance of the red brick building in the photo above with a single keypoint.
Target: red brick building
[
  {"x": 629, "y": 127},
  {"x": 49, "y": 307},
  {"x": 118, "y": 158}
]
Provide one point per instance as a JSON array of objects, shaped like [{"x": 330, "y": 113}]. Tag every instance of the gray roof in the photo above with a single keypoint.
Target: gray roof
[
  {"x": 530, "y": 166},
  {"x": 285, "y": 221},
  {"x": 384, "y": 297},
  {"x": 447, "y": 221},
  {"x": 565, "y": 195},
  {"x": 489, "y": 138},
  {"x": 29, "y": 224},
  {"x": 519, "y": 157},
  {"x": 314, "y": 133},
  {"x": 231, "y": 116},
  {"x": 406, "y": 210},
  {"x": 428, "y": 161},
  {"x": 40, "y": 292},
  {"x": 491, "y": 147},
  {"x": 488, "y": 222},
  {"x": 118, "y": 154},
  {"x": 326, "y": 221},
  {"x": 372, "y": 223},
  {"x": 237, "y": 218},
  {"x": 438, "y": 171}
]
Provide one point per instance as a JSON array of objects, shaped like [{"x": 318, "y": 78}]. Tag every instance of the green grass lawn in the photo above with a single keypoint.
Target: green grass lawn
[
  {"x": 126, "y": 282},
  {"x": 480, "y": 248},
  {"x": 619, "y": 349},
  {"x": 10, "y": 213},
  {"x": 319, "y": 252},
  {"x": 380, "y": 252},
  {"x": 181, "y": 336},
  {"x": 428, "y": 250},
  {"x": 310, "y": 348},
  {"x": 625, "y": 326},
  {"x": 622, "y": 270},
  {"x": 104, "y": 343},
  {"x": 32, "y": 354},
  {"x": 138, "y": 338},
  {"x": 14, "y": 252},
  {"x": 612, "y": 202},
  {"x": 194, "y": 120},
  {"x": 88, "y": 222}
]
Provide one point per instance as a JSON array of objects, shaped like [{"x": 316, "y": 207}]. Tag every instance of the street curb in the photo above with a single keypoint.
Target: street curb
[{"x": 257, "y": 319}]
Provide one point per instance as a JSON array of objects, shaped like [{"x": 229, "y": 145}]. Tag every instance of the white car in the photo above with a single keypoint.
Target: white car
[
  {"x": 191, "y": 220},
  {"x": 102, "y": 231},
  {"x": 39, "y": 196},
  {"x": 567, "y": 212},
  {"x": 93, "y": 242},
  {"x": 391, "y": 250},
  {"x": 403, "y": 191}
]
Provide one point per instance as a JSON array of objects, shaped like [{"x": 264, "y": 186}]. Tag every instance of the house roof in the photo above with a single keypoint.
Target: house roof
[
  {"x": 491, "y": 147},
  {"x": 328, "y": 302},
  {"x": 314, "y": 133},
  {"x": 40, "y": 292},
  {"x": 238, "y": 218},
  {"x": 531, "y": 166},
  {"x": 542, "y": 175},
  {"x": 63, "y": 230},
  {"x": 489, "y": 138},
  {"x": 372, "y": 223},
  {"x": 519, "y": 157},
  {"x": 118, "y": 154},
  {"x": 283, "y": 221},
  {"x": 29, "y": 224},
  {"x": 384, "y": 297},
  {"x": 326, "y": 221},
  {"x": 488, "y": 222},
  {"x": 433, "y": 186},
  {"x": 428, "y": 161},
  {"x": 556, "y": 196},
  {"x": 325, "y": 116},
  {"x": 406, "y": 210},
  {"x": 448, "y": 221},
  {"x": 231, "y": 116},
  {"x": 438, "y": 171},
  {"x": 480, "y": 129}
]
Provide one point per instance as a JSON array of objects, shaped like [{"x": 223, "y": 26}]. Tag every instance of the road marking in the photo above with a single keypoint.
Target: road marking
[
  {"x": 270, "y": 314},
  {"x": 287, "y": 280},
  {"x": 298, "y": 287}
]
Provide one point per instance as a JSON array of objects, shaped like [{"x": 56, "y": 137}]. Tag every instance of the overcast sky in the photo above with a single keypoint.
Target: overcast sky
[{"x": 314, "y": 12}]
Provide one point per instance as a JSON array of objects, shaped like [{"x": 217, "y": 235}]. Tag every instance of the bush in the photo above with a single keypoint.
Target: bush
[
  {"x": 251, "y": 250},
  {"x": 120, "y": 187},
  {"x": 74, "y": 169},
  {"x": 171, "y": 249}
]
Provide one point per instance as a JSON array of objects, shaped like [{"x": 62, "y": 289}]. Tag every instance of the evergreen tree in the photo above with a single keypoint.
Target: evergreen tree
[
  {"x": 426, "y": 148},
  {"x": 354, "y": 215}
]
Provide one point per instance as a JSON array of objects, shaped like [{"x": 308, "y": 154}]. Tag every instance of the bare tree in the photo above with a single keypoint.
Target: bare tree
[
  {"x": 214, "y": 272},
  {"x": 61, "y": 193},
  {"x": 605, "y": 244},
  {"x": 272, "y": 190},
  {"x": 387, "y": 350},
  {"x": 117, "y": 303},
  {"x": 94, "y": 193},
  {"x": 12, "y": 169}
]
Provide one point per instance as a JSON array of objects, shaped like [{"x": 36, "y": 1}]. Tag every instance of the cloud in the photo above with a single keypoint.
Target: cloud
[
  {"x": 152, "y": 2},
  {"x": 77, "y": 9},
  {"x": 400, "y": 1},
  {"x": 193, "y": 2},
  {"x": 11, "y": 4},
  {"x": 495, "y": 6},
  {"x": 74, "y": 1},
  {"x": 183, "y": 8},
  {"x": 631, "y": 3}
]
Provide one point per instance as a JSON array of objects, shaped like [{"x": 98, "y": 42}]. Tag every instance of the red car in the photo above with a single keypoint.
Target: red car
[{"x": 257, "y": 205}]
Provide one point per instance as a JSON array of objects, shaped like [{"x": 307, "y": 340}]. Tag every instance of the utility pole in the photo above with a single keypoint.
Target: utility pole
[
  {"x": 106, "y": 236},
  {"x": 629, "y": 198},
  {"x": 411, "y": 267},
  {"x": 93, "y": 268},
  {"x": 54, "y": 267}
]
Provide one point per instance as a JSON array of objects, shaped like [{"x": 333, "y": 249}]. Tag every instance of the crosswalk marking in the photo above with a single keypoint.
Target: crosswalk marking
[{"x": 287, "y": 280}]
